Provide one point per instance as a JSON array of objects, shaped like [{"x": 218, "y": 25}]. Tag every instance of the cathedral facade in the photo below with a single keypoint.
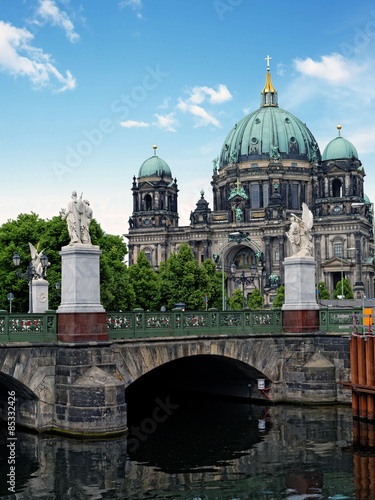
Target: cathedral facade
[{"x": 270, "y": 164}]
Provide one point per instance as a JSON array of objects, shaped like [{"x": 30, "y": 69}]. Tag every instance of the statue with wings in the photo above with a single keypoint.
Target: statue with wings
[
  {"x": 299, "y": 233},
  {"x": 35, "y": 260}
]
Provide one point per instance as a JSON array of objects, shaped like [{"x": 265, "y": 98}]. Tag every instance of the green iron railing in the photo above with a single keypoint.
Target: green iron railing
[
  {"x": 28, "y": 327},
  {"x": 337, "y": 320},
  {"x": 141, "y": 324},
  {"x": 176, "y": 323}
]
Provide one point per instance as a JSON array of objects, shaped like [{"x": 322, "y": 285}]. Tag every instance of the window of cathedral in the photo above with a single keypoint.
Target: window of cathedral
[
  {"x": 265, "y": 194},
  {"x": 337, "y": 249},
  {"x": 255, "y": 198},
  {"x": 336, "y": 188},
  {"x": 294, "y": 164},
  {"x": 254, "y": 165},
  {"x": 148, "y": 202},
  {"x": 245, "y": 258},
  {"x": 294, "y": 196},
  {"x": 148, "y": 256},
  {"x": 277, "y": 255}
]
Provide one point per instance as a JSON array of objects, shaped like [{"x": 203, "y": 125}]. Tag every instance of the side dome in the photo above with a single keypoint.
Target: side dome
[
  {"x": 339, "y": 149},
  {"x": 269, "y": 133},
  {"x": 154, "y": 166}
]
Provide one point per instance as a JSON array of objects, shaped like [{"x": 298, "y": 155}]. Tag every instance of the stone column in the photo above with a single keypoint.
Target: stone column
[
  {"x": 81, "y": 317},
  {"x": 267, "y": 252},
  {"x": 281, "y": 257},
  {"x": 38, "y": 296},
  {"x": 300, "y": 309}
]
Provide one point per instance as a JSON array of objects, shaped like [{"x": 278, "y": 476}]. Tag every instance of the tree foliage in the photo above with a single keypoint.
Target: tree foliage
[
  {"x": 183, "y": 280},
  {"x": 323, "y": 293},
  {"x": 236, "y": 301},
  {"x": 255, "y": 300},
  {"x": 348, "y": 293},
  {"x": 51, "y": 235},
  {"x": 145, "y": 283},
  {"x": 280, "y": 297}
]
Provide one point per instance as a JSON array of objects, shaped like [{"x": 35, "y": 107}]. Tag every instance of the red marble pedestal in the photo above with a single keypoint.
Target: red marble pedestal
[
  {"x": 82, "y": 327},
  {"x": 302, "y": 320}
]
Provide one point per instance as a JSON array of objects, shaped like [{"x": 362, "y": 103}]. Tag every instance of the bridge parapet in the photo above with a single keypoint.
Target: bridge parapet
[
  {"x": 28, "y": 327},
  {"x": 141, "y": 324}
]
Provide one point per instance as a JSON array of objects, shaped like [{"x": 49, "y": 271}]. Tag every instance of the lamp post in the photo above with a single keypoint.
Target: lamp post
[
  {"x": 244, "y": 280},
  {"x": 231, "y": 235},
  {"x": 31, "y": 273},
  {"x": 342, "y": 273}
]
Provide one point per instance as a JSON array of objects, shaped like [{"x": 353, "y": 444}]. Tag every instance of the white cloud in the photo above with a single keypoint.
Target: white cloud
[
  {"x": 204, "y": 118},
  {"x": 166, "y": 122},
  {"x": 132, "y": 123},
  {"x": 281, "y": 69},
  {"x": 135, "y": 5},
  {"x": 19, "y": 58},
  {"x": 165, "y": 103},
  {"x": 363, "y": 140},
  {"x": 48, "y": 11},
  {"x": 334, "y": 68},
  {"x": 199, "y": 94}
]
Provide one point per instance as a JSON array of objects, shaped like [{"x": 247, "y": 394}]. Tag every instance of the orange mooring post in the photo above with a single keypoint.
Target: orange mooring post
[
  {"x": 371, "y": 469},
  {"x": 357, "y": 475},
  {"x": 354, "y": 371},
  {"x": 370, "y": 377},
  {"x": 361, "y": 360}
]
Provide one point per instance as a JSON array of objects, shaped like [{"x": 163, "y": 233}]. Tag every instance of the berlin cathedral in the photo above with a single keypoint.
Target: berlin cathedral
[{"x": 269, "y": 164}]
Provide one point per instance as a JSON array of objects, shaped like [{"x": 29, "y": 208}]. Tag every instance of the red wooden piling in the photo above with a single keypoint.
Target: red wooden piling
[{"x": 361, "y": 360}]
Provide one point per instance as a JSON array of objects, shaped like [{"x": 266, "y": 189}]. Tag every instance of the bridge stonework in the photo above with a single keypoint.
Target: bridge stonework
[{"x": 80, "y": 388}]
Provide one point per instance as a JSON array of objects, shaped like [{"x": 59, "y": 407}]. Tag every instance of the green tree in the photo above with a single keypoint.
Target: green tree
[
  {"x": 348, "y": 293},
  {"x": 145, "y": 283},
  {"x": 52, "y": 235},
  {"x": 255, "y": 300},
  {"x": 183, "y": 280},
  {"x": 280, "y": 297},
  {"x": 236, "y": 301},
  {"x": 214, "y": 284},
  {"x": 323, "y": 292}
]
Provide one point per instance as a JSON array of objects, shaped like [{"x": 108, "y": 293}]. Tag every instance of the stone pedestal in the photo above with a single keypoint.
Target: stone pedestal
[
  {"x": 38, "y": 296},
  {"x": 81, "y": 317},
  {"x": 300, "y": 309}
]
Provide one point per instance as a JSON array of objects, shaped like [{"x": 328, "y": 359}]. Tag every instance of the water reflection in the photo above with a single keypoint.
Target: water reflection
[{"x": 222, "y": 451}]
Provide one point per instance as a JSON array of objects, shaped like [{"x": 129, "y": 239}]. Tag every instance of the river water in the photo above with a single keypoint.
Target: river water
[{"x": 202, "y": 450}]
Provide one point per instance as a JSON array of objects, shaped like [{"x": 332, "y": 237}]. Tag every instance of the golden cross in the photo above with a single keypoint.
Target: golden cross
[{"x": 268, "y": 58}]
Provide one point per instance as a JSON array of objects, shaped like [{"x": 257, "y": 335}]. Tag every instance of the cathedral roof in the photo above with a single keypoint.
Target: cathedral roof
[
  {"x": 269, "y": 133},
  {"x": 154, "y": 166},
  {"x": 339, "y": 149}
]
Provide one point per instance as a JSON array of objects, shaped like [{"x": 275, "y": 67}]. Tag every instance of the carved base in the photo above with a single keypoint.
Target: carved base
[
  {"x": 81, "y": 327},
  {"x": 300, "y": 321}
]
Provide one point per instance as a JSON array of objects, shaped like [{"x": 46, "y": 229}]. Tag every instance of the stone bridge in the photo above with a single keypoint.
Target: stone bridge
[{"x": 87, "y": 387}]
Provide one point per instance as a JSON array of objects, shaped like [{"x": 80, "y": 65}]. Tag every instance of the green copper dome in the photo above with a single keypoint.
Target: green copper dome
[
  {"x": 269, "y": 133},
  {"x": 154, "y": 166},
  {"x": 339, "y": 149}
]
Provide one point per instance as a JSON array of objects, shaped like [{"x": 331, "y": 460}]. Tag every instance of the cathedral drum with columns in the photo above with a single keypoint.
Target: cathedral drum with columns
[{"x": 269, "y": 165}]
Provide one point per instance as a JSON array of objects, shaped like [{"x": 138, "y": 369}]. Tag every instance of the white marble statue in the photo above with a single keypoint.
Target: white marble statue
[
  {"x": 78, "y": 216},
  {"x": 35, "y": 260},
  {"x": 299, "y": 233}
]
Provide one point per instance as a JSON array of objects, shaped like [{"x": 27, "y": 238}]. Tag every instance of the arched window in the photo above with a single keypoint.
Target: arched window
[
  {"x": 336, "y": 188},
  {"x": 245, "y": 258},
  {"x": 148, "y": 202}
]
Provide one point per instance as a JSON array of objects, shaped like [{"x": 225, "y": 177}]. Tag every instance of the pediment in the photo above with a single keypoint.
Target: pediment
[{"x": 335, "y": 263}]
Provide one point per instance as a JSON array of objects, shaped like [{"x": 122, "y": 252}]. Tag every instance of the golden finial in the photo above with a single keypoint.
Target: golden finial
[
  {"x": 339, "y": 127},
  {"x": 155, "y": 148}
]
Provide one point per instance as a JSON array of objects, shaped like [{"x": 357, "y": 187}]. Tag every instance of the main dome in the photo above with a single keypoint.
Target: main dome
[
  {"x": 340, "y": 149},
  {"x": 269, "y": 132},
  {"x": 154, "y": 166}
]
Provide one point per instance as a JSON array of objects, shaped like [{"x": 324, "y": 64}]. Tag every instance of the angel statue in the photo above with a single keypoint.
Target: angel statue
[
  {"x": 299, "y": 233},
  {"x": 35, "y": 260}
]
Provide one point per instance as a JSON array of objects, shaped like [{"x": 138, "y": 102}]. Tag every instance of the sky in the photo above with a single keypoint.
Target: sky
[{"x": 87, "y": 87}]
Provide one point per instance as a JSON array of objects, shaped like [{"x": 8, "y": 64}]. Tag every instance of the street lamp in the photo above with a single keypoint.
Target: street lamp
[
  {"x": 342, "y": 273},
  {"x": 245, "y": 280},
  {"x": 31, "y": 273},
  {"x": 231, "y": 235}
]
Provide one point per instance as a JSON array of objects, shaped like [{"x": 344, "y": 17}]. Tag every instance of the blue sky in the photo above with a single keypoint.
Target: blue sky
[{"x": 88, "y": 87}]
